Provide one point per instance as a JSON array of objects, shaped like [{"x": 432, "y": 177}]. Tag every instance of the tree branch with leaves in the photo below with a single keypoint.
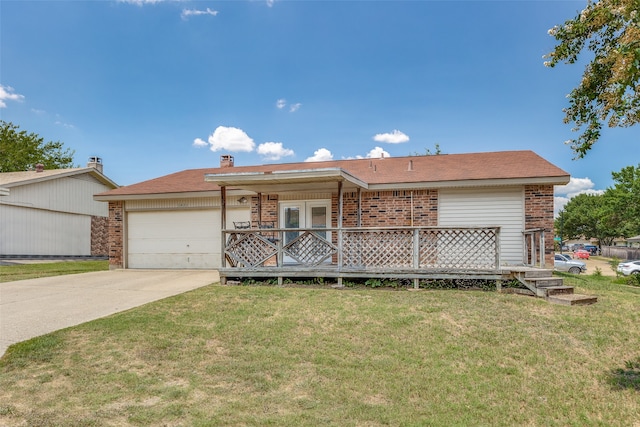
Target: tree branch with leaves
[{"x": 609, "y": 89}]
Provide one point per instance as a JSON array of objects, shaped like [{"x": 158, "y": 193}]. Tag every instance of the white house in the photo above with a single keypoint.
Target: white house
[{"x": 51, "y": 213}]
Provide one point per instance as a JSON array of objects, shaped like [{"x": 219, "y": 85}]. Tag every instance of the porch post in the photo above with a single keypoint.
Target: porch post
[
  {"x": 223, "y": 224},
  {"x": 260, "y": 209},
  {"x": 542, "y": 248},
  {"x": 340, "y": 256}
]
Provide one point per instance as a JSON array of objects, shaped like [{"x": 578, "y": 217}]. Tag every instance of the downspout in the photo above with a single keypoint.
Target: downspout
[
  {"x": 359, "y": 217},
  {"x": 412, "y": 208}
]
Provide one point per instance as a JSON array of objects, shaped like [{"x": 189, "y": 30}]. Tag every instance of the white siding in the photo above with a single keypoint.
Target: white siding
[
  {"x": 67, "y": 194},
  {"x": 25, "y": 231},
  {"x": 177, "y": 239},
  {"x": 498, "y": 206}
]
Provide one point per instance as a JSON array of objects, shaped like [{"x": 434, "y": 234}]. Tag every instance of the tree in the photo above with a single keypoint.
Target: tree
[
  {"x": 20, "y": 151},
  {"x": 588, "y": 216},
  {"x": 624, "y": 199},
  {"x": 609, "y": 90}
]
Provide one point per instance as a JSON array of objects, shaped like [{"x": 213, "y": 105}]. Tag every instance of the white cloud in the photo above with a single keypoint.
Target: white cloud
[
  {"x": 294, "y": 107},
  {"x": 270, "y": 3},
  {"x": 395, "y": 137},
  {"x": 282, "y": 103},
  {"x": 6, "y": 94},
  {"x": 377, "y": 153},
  {"x": 564, "y": 193},
  {"x": 230, "y": 139},
  {"x": 143, "y": 2},
  {"x": 577, "y": 186},
  {"x": 274, "y": 150},
  {"x": 199, "y": 142},
  {"x": 320, "y": 155},
  {"x": 186, "y": 13}
]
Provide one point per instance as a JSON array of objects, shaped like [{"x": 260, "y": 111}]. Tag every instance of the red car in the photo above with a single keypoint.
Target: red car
[{"x": 581, "y": 253}]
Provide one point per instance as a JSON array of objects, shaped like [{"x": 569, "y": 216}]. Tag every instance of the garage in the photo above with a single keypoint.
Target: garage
[
  {"x": 499, "y": 206},
  {"x": 180, "y": 239}
]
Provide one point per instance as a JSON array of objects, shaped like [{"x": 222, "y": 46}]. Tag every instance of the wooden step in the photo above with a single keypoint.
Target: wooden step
[
  {"x": 537, "y": 273},
  {"x": 545, "y": 282},
  {"x": 572, "y": 299},
  {"x": 559, "y": 290}
]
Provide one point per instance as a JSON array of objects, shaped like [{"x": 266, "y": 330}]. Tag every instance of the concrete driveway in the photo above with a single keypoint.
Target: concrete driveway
[{"x": 30, "y": 308}]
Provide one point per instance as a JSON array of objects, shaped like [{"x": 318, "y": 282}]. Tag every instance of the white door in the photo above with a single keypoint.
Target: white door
[{"x": 305, "y": 214}]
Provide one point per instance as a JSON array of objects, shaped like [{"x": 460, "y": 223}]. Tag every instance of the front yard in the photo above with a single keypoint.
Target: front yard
[{"x": 258, "y": 355}]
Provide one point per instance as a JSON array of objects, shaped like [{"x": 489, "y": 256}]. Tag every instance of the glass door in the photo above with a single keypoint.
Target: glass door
[{"x": 304, "y": 214}]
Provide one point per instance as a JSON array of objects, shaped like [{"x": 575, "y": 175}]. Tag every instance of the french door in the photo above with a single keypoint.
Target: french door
[{"x": 305, "y": 214}]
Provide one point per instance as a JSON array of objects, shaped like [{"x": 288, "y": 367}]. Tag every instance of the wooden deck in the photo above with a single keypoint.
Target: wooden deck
[{"x": 398, "y": 252}]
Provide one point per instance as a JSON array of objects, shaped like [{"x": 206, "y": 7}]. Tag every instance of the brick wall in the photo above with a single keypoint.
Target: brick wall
[
  {"x": 116, "y": 235},
  {"x": 538, "y": 212},
  {"x": 391, "y": 208},
  {"x": 269, "y": 209},
  {"x": 99, "y": 236}
]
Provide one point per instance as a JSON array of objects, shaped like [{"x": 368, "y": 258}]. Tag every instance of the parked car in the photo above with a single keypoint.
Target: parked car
[
  {"x": 629, "y": 267},
  {"x": 592, "y": 249},
  {"x": 563, "y": 262},
  {"x": 581, "y": 253}
]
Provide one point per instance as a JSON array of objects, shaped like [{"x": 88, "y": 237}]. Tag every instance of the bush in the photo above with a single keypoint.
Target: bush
[{"x": 633, "y": 280}]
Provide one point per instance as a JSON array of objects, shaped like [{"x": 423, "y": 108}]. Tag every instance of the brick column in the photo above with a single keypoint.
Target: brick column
[
  {"x": 116, "y": 235},
  {"x": 538, "y": 212}
]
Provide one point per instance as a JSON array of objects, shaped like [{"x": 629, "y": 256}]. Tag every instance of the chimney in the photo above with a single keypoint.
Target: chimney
[
  {"x": 410, "y": 165},
  {"x": 95, "y": 162},
  {"x": 39, "y": 167},
  {"x": 226, "y": 161}
]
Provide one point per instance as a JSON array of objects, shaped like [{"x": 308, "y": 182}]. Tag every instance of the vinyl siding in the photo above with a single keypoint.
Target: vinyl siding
[{"x": 497, "y": 206}]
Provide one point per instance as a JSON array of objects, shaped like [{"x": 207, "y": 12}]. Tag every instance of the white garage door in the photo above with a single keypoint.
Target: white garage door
[
  {"x": 502, "y": 207},
  {"x": 176, "y": 239}
]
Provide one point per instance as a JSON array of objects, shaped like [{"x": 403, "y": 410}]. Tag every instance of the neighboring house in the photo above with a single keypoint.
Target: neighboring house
[
  {"x": 176, "y": 221},
  {"x": 634, "y": 242},
  {"x": 52, "y": 212}
]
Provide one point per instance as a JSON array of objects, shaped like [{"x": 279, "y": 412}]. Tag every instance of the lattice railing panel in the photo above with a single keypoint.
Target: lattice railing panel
[
  {"x": 458, "y": 248},
  {"x": 310, "y": 249},
  {"x": 378, "y": 248},
  {"x": 250, "y": 249}
]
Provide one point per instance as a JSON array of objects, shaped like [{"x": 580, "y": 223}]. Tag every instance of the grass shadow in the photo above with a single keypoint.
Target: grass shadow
[{"x": 627, "y": 377}]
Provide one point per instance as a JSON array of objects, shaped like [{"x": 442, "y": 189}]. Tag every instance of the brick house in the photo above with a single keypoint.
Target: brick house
[{"x": 187, "y": 219}]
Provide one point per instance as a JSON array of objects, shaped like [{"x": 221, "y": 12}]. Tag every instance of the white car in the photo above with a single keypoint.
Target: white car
[
  {"x": 629, "y": 267},
  {"x": 562, "y": 262}
]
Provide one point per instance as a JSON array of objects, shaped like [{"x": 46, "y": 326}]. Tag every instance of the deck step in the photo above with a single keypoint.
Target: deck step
[
  {"x": 572, "y": 299},
  {"x": 538, "y": 273},
  {"x": 559, "y": 290},
  {"x": 545, "y": 282}
]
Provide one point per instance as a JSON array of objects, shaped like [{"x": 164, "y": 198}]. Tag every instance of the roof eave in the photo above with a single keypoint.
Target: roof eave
[{"x": 495, "y": 182}]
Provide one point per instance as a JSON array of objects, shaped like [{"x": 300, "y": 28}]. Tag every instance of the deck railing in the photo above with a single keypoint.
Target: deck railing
[{"x": 381, "y": 249}]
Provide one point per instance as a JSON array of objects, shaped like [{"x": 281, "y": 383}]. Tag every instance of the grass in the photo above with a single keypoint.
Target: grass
[
  {"x": 10, "y": 273},
  {"x": 257, "y": 355}
]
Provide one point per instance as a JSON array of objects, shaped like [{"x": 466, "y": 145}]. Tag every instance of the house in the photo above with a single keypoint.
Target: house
[
  {"x": 479, "y": 211},
  {"x": 51, "y": 213}
]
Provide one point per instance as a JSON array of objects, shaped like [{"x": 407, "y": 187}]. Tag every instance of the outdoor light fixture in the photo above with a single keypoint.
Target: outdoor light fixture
[{"x": 242, "y": 200}]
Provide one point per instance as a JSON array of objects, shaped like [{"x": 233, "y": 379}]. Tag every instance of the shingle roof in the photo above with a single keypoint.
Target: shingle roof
[
  {"x": 390, "y": 170},
  {"x": 12, "y": 179}
]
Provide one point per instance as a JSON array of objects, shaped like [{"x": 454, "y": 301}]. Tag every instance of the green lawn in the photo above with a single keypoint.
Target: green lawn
[
  {"x": 9, "y": 273},
  {"x": 296, "y": 356}
]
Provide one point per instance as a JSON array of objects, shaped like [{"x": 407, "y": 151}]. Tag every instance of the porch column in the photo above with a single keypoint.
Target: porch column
[
  {"x": 340, "y": 256},
  {"x": 259, "y": 208},
  {"x": 223, "y": 224}
]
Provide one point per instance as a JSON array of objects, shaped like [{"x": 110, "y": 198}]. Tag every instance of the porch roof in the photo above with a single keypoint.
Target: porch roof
[{"x": 287, "y": 180}]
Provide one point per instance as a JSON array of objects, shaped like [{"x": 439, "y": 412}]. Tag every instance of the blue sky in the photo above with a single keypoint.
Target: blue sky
[{"x": 155, "y": 87}]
